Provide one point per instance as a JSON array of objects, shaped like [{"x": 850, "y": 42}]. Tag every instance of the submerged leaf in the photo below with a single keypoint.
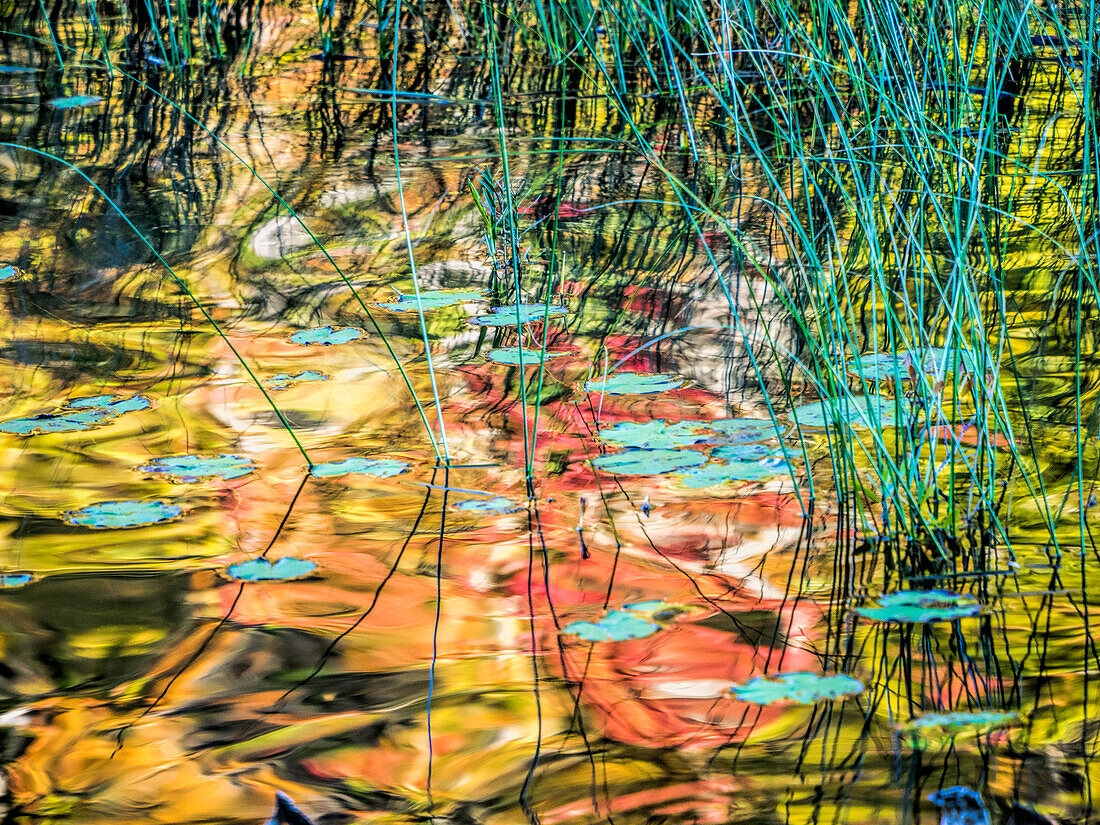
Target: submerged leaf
[
  {"x": 325, "y": 336},
  {"x": 433, "y": 299},
  {"x": 616, "y": 626},
  {"x": 261, "y": 570},
  {"x": 633, "y": 383},
  {"x": 118, "y": 514},
  {"x": 511, "y": 355},
  {"x": 507, "y": 315},
  {"x": 803, "y": 688},
  {"x": 378, "y": 467},
  {"x": 920, "y": 606},
  {"x": 75, "y": 101},
  {"x": 497, "y": 504},
  {"x": 648, "y": 462},
  {"x": 284, "y": 381},
  {"x": 184, "y": 468}
]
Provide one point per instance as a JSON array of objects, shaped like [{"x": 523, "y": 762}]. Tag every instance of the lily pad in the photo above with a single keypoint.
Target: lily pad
[
  {"x": 75, "y": 101},
  {"x": 962, "y": 806},
  {"x": 648, "y": 462},
  {"x": 616, "y": 626},
  {"x": 119, "y": 514},
  {"x": 653, "y": 435},
  {"x": 877, "y": 366},
  {"x": 7, "y": 272},
  {"x": 9, "y": 581},
  {"x": 507, "y": 316},
  {"x": 920, "y": 606},
  {"x": 741, "y": 430},
  {"x": 377, "y": 467},
  {"x": 510, "y": 355},
  {"x": 284, "y": 380},
  {"x": 187, "y": 468},
  {"x": 261, "y": 570},
  {"x": 77, "y": 414},
  {"x": 633, "y": 383},
  {"x": 433, "y": 299},
  {"x": 803, "y": 688},
  {"x": 325, "y": 336},
  {"x": 719, "y": 473},
  {"x": 963, "y": 721},
  {"x": 872, "y": 411},
  {"x": 497, "y": 505},
  {"x": 743, "y": 452}
]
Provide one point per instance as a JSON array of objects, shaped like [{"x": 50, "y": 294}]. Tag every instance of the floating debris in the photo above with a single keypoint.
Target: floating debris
[
  {"x": 77, "y": 414},
  {"x": 498, "y": 505},
  {"x": 284, "y": 380},
  {"x": 262, "y": 570},
  {"x": 119, "y": 514},
  {"x": 522, "y": 313},
  {"x": 616, "y": 626},
  {"x": 511, "y": 356},
  {"x": 433, "y": 299},
  {"x": 648, "y": 462},
  {"x": 325, "y": 336},
  {"x": 75, "y": 102},
  {"x": 378, "y": 467},
  {"x": 802, "y": 688},
  {"x": 921, "y": 606},
  {"x": 873, "y": 411},
  {"x": 190, "y": 468},
  {"x": 10, "y": 581},
  {"x": 633, "y": 383}
]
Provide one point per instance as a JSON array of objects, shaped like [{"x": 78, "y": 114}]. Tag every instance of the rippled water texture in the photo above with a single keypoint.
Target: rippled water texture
[{"x": 506, "y": 491}]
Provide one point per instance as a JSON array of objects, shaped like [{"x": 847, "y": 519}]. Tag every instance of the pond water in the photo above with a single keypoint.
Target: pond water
[{"x": 307, "y": 510}]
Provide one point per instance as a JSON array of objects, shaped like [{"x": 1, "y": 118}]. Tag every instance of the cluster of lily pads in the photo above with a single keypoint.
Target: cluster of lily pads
[{"x": 77, "y": 414}]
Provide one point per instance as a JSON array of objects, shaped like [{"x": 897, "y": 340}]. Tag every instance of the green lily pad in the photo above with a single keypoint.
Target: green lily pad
[
  {"x": 743, "y": 452},
  {"x": 616, "y": 626},
  {"x": 740, "y": 430},
  {"x": 648, "y": 462},
  {"x": 75, "y": 101},
  {"x": 713, "y": 473},
  {"x": 325, "y": 336},
  {"x": 874, "y": 411},
  {"x": 9, "y": 581},
  {"x": 77, "y": 414},
  {"x": 8, "y": 272},
  {"x": 653, "y": 435},
  {"x": 261, "y": 570},
  {"x": 633, "y": 383},
  {"x": 507, "y": 316},
  {"x": 920, "y": 606},
  {"x": 433, "y": 299},
  {"x": 963, "y": 721},
  {"x": 377, "y": 467},
  {"x": 803, "y": 688},
  {"x": 187, "y": 468},
  {"x": 120, "y": 514},
  {"x": 511, "y": 355},
  {"x": 284, "y": 380},
  {"x": 498, "y": 505}
]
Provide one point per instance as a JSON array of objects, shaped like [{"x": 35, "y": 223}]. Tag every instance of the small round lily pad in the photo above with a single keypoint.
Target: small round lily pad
[
  {"x": 920, "y": 606},
  {"x": 511, "y": 356},
  {"x": 325, "y": 336},
  {"x": 119, "y": 514},
  {"x": 433, "y": 299},
  {"x": 284, "y": 380},
  {"x": 262, "y": 570},
  {"x": 10, "y": 581},
  {"x": 8, "y": 272},
  {"x": 633, "y": 383},
  {"x": 872, "y": 411},
  {"x": 648, "y": 462},
  {"x": 498, "y": 505},
  {"x": 803, "y": 688},
  {"x": 187, "y": 468},
  {"x": 523, "y": 313},
  {"x": 378, "y": 467},
  {"x": 653, "y": 435},
  {"x": 616, "y": 626},
  {"x": 75, "y": 101}
]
